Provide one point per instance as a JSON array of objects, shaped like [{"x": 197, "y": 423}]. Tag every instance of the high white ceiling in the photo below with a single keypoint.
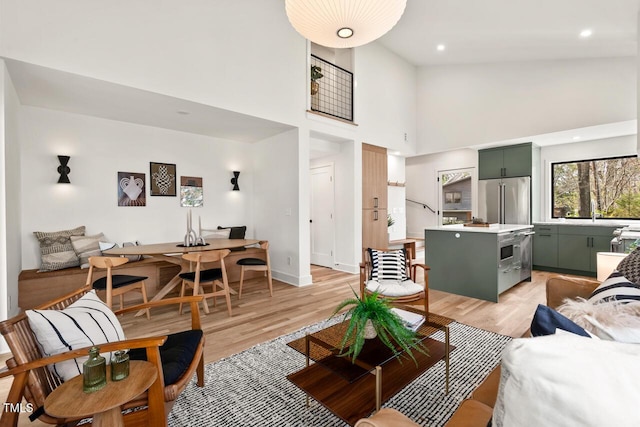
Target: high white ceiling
[
  {"x": 481, "y": 31},
  {"x": 473, "y": 31}
]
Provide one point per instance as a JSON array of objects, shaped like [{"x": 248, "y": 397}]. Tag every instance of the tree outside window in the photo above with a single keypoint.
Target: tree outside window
[{"x": 613, "y": 185}]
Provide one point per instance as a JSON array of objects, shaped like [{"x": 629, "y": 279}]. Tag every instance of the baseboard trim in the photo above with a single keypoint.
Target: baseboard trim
[{"x": 291, "y": 279}]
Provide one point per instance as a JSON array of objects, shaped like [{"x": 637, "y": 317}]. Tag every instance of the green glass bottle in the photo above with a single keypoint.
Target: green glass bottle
[
  {"x": 119, "y": 365},
  {"x": 94, "y": 371}
]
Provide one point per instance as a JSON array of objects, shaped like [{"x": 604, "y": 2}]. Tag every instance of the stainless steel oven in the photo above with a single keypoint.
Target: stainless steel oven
[{"x": 508, "y": 261}]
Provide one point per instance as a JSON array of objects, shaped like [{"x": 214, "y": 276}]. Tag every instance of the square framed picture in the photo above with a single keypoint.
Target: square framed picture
[
  {"x": 191, "y": 194},
  {"x": 131, "y": 189},
  {"x": 163, "y": 179}
]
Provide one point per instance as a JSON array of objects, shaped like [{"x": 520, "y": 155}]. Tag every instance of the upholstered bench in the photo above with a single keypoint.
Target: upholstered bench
[{"x": 37, "y": 288}]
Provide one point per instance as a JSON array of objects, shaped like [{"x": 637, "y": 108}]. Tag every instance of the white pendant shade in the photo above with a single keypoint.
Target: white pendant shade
[{"x": 366, "y": 20}]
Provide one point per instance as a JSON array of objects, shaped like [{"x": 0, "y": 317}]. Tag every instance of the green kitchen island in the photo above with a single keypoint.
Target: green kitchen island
[{"x": 478, "y": 262}]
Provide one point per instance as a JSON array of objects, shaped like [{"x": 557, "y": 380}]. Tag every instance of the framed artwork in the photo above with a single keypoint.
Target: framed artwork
[
  {"x": 131, "y": 189},
  {"x": 191, "y": 194},
  {"x": 163, "y": 179}
]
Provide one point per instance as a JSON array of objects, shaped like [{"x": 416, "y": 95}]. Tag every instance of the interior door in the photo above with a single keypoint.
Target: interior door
[{"x": 322, "y": 225}]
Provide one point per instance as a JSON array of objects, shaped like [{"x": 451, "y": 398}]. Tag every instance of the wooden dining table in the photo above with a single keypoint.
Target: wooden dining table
[{"x": 170, "y": 252}]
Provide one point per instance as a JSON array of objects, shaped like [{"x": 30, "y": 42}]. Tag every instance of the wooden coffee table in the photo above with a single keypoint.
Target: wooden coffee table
[
  {"x": 69, "y": 401},
  {"x": 354, "y": 390}
]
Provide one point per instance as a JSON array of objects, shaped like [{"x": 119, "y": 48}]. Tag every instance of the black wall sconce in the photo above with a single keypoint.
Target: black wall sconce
[
  {"x": 234, "y": 181},
  {"x": 64, "y": 170}
]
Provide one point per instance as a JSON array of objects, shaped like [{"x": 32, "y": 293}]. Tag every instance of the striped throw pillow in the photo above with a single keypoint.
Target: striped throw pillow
[
  {"x": 616, "y": 288},
  {"x": 84, "y": 323},
  {"x": 388, "y": 265}
]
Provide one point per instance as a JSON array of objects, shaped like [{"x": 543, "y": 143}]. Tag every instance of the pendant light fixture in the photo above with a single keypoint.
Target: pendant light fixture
[{"x": 343, "y": 23}]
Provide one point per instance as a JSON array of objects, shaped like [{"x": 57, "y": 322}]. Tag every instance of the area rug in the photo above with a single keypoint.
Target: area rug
[{"x": 251, "y": 388}]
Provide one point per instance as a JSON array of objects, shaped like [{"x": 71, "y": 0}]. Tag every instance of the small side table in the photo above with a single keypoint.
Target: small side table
[{"x": 69, "y": 401}]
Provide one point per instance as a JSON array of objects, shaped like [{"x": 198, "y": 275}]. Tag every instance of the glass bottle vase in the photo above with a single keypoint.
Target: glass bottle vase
[
  {"x": 119, "y": 365},
  {"x": 94, "y": 371}
]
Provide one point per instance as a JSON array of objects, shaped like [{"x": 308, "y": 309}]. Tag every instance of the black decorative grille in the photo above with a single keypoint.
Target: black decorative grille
[{"x": 335, "y": 90}]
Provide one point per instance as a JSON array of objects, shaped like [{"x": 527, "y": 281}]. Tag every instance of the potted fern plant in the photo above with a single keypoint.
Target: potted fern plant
[
  {"x": 316, "y": 74},
  {"x": 370, "y": 317}
]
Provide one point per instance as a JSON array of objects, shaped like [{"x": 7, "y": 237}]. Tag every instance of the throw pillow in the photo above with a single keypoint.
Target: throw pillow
[
  {"x": 591, "y": 383},
  {"x": 132, "y": 258},
  {"x": 388, "y": 265},
  {"x": 56, "y": 249},
  {"x": 86, "y": 246},
  {"x": 546, "y": 321},
  {"x": 629, "y": 267},
  {"x": 105, "y": 246},
  {"x": 218, "y": 234},
  {"x": 235, "y": 232},
  {"x": 616, "y": 288},
  {"x": 84, "y": 323},
  {"x": 607, "y": 320}
]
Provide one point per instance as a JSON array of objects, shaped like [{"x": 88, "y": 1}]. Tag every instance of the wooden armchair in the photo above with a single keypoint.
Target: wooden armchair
[
  {"x": 33, "y": 380},
  {"x": 406, "y": 292}
]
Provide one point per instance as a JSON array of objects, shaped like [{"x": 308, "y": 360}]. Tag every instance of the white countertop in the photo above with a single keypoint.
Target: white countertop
[
  {"x": 587, "y": 222},
  {"x": 493, "y": 228}
]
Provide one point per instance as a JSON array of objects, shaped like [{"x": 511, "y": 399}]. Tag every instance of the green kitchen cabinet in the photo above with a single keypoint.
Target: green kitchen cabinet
[
  {"x": 545, "y": 246},
  {"x": 578, "y": 246},
  {"x": 574, "y": 252},
  {"x": 505, "y": 162}
]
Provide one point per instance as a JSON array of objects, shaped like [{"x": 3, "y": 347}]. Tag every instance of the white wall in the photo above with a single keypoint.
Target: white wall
[
  {"x": 385, "y": 99},
  {"x": 237, "y": 55},
  {"x": 10, "y": 195},
  {"x": 464, "y": 105},
  {"x": 99, "y": 149},
  {"x": 597, "y": 149},
  {"x": 276, "y": 205},
  {"x": 10, "y": 205},
  {"x": 396, "y": 205},
  {"x": 421, "y": 173}
]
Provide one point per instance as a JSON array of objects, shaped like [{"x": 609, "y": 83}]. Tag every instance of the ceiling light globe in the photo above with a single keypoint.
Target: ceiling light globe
[{"x": 323, "y": 21}]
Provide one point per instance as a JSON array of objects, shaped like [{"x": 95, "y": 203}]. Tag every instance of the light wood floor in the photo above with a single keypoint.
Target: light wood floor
[{"x": 258, "y": 318}]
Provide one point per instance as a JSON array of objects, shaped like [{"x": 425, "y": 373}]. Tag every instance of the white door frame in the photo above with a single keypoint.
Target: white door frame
[{"x": 474, "y": 192}]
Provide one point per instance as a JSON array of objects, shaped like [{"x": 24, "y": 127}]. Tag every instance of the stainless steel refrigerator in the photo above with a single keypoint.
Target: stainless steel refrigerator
[{"x": 505, "y": 201}]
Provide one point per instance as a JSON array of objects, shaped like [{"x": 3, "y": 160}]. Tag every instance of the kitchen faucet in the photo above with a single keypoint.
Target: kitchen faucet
[{"x": 593, "y": 210}]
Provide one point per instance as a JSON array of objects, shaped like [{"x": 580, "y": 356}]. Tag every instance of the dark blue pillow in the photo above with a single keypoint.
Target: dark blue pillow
[{"x": 546, "y": 320}]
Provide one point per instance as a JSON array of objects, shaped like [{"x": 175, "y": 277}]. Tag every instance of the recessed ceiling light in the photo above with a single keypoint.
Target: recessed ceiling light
[
  {"x": 586, "y": 33},
  {"x": 575, "y": 138},
  {"x": 345, "y": 32},
  {"x": 441, "y": 47}
]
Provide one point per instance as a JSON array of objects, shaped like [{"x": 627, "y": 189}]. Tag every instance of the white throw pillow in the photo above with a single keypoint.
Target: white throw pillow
[
  {"x": 217, "y": 234},
  {"x": 84, "y": 323},
  {"x": 561, "y": 381}
]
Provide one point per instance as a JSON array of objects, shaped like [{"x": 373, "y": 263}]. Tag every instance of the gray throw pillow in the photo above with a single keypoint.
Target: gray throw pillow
[
  {"x": 56, "y": 249},
  {"x": 630, "y": 266}
]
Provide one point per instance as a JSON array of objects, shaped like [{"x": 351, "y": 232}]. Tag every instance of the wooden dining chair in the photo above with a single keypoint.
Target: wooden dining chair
[
  {"x": 177, "y": 357},
  {"x": 256, "y": 264},
  {"x": 115, "y": 284},
  {"x": 214, "y": 277}
]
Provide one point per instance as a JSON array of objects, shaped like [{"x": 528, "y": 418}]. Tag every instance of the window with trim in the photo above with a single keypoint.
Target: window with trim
[{"x": 608, "y": 187}]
